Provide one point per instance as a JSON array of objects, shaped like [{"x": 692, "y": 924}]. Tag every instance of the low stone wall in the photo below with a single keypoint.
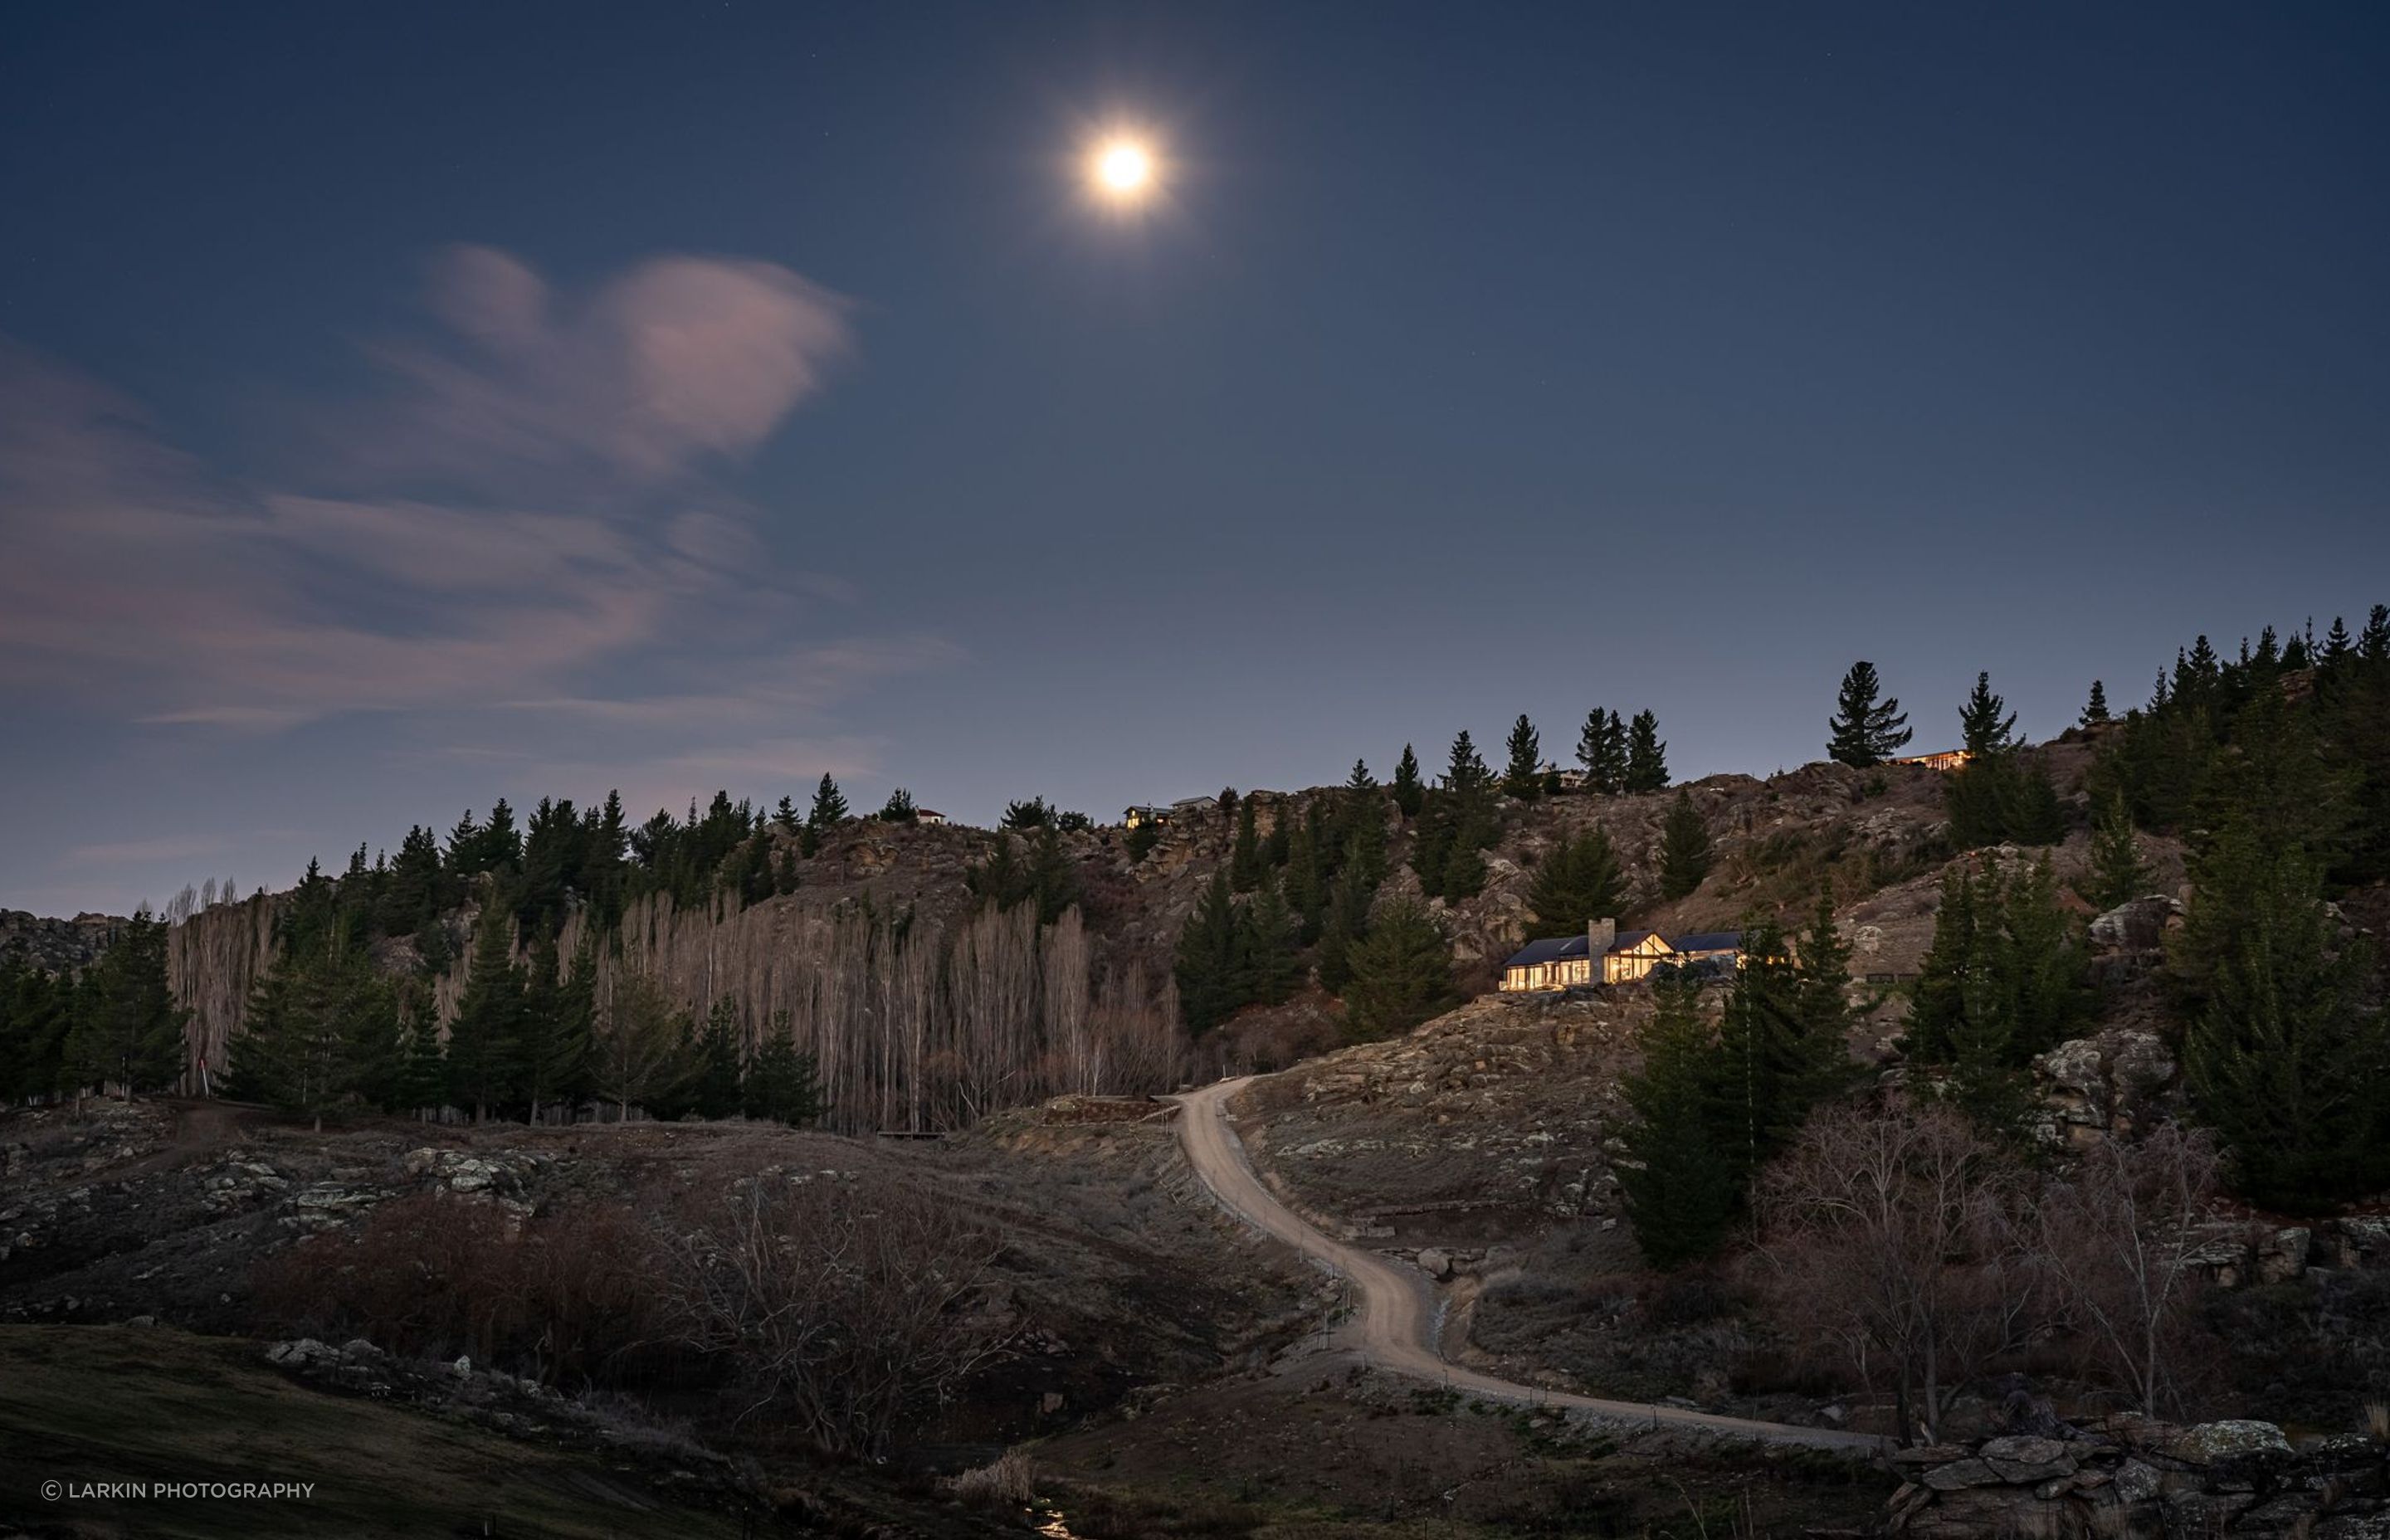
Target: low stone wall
[{"x": 2132, "y": 1476}]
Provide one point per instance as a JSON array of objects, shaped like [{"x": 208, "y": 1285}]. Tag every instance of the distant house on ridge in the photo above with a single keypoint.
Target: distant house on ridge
[{"x": 1604, "y": 955}]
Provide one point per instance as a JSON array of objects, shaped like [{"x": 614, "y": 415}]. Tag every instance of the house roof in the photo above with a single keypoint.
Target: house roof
[
  {"x": 1709, "y": 941},
  {"x": 1551, "y": 950}
]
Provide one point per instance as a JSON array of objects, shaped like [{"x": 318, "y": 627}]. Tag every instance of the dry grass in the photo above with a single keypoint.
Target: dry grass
[
  {"x": 1008, "y": 1480},
  {"x": 2377, "y": 1421}
]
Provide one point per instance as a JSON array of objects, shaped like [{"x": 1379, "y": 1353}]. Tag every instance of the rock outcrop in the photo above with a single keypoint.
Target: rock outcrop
[{"x": 2131, "y": 1476}]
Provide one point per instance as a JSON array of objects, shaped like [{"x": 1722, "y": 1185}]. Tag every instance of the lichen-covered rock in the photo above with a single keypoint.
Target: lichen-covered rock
[
  {"x": 2212, "y": 1442},
  {"x": 2136, "y": 1483}
]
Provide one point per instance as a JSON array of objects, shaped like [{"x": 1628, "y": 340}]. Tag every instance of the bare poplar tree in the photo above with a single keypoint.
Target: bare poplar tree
[
  {"x": 1075, "y": 1062},
  {"x": 1892, "y": 1234},
  {"x": 2116, "y": 1237}
]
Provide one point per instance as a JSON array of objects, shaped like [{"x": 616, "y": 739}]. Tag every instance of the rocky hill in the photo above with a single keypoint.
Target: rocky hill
[
  {"x": 55, "y": 945},
  {"x": 1879, "y": 836}
]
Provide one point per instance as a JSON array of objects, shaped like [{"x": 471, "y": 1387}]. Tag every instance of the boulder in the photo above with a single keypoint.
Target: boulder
[
  {"x": 1435, "y": 1263},
  {"x": 2019, "y": 1458},
  {"x": 1962, "y": 1474},
  {"x": 2136, "y": 1483},
  {"x": 2282, "y": 1254},
  {"x": 2137, "y": 925},
  {"x": 2212, "y": 1442}
]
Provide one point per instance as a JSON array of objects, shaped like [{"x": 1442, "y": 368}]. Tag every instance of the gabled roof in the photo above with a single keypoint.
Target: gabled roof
[
  {"x": 1551, "y": 950},
  {"x": 1709, "y": 941},
  {"x": 1629, "y": 940}
]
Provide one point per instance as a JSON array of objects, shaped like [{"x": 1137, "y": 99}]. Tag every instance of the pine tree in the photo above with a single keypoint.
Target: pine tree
[
  {"x": 2285, "y": 1059},
  {"x": 1035, "y": 813},
  {"x": 560, "y": 1024},
  {"x": 1053, "y": 876},
  {"x": 1823, "y": 969},
  {"x": 785, "y": 816},
  {"x": 2002, "y": 981},
  {"x": 1589, "y": 742},
  {"x": 1409, "y": 791},
  {"x": 2373, "y": 643},
  {"x": 1306, "y": 871},
  {"x": 1685, "y": 852},
  {"x": 2095, "y": 711},
  {"x": 501, "y": 845},
  {"x": 1280, "y": 839},
  {"x": 1464, "y": 870},
  {"x": 2030, "y": 810},
  {"x": 782, "y": 1085},
  {"x": 1579, "y": 882},
  {"x": 1209, "y": 964},
  {"x": 1864, "y": 731},
  {"x": 321, "y": 1030},
  {"x": 464, "y": 847},
  {"x": 1523, "y": 777},
  {"x": 1245, "y": 857},
  {"x": 2119, "y": 873},
  {"x": 1431, "y": 846},
  {"x": 1647, "y": 756},
  {"x": 1613, "y": 758},
  {"x": 486, "y": 1041},
  {"x": 830, "y": 806},
  {"x": 1678, "y": 1185},
  {"x": 37, "y": 1013},
  {"x": 127, "y": 1029},
  {"x": 1774, "y": 1062},
  {"x": 1984, "y": 729},
  {"x": 422, "y": 1082},
  {"x": 1266, "y": 938},
  {"x": 1465, "y": 773},
  {"x": 1402, "y": 972},
  {"x": 2337, "y": 644},
  {"x": 715, "y": 1090},
  {"x": 899, "y": 808},
  {"x": 1345, "y": 923}
]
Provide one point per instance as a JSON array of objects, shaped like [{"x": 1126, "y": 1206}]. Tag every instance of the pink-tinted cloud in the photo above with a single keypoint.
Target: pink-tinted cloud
[
  {"x": 678, "y": 360},
  {"x": 140, "y": 578}
]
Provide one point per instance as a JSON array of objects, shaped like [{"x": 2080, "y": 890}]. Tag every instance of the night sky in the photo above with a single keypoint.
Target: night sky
[{"x": 402, "y": 407}]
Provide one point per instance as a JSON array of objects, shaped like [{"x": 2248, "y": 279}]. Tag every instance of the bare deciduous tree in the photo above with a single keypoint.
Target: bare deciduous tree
[
  {"x": 2115, "y": 1234},
  {"x": 1891, "y": 1233},
  {"x": 844, "y": 1303}
]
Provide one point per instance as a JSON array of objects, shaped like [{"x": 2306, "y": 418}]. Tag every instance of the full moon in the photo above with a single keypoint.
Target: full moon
[{"x": 1121, "y": 169}]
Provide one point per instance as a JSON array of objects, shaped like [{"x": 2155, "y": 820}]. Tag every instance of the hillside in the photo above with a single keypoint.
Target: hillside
[{"x": 1875, "y": 834}]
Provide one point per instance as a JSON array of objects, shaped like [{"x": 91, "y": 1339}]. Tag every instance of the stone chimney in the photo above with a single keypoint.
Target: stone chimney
[{"x": 1599, "y": 934}]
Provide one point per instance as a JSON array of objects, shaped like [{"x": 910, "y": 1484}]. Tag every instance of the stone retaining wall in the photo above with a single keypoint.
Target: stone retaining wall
[{"x": 2132, "y": 1476}]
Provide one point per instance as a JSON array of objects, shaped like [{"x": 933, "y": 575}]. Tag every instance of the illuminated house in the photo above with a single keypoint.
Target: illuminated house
[
  {"x": 1138, "y": 817},
  {"x": 1604, "y": 955},
  {"x": 1949, "y": 759}
]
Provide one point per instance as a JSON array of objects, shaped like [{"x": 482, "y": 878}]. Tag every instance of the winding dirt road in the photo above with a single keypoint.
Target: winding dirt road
[{"x": 1396, "y": 1324}]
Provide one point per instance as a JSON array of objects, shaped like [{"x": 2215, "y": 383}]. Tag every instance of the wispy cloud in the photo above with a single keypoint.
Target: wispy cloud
[{"x": 142, "y": 577}]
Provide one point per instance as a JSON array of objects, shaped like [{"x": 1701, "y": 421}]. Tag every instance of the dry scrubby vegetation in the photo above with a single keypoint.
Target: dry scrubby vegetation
[{"x": 838, "y": 1306}]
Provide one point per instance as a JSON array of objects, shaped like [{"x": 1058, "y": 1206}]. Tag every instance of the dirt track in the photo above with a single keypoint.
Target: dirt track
[{"x": 1395, "y": 1323}]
